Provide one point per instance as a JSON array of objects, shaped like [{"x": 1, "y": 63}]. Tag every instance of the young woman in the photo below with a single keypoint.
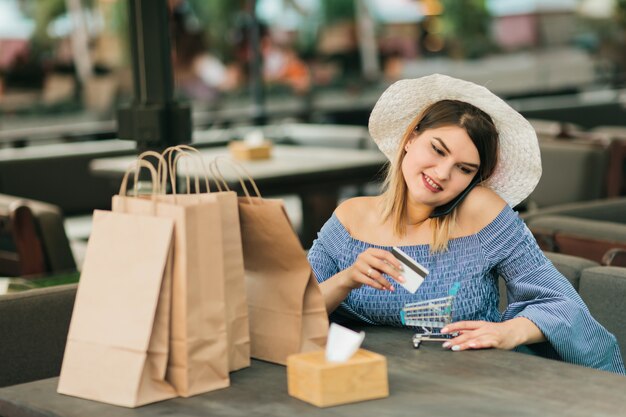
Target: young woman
[{"x": 460, "y": 159}]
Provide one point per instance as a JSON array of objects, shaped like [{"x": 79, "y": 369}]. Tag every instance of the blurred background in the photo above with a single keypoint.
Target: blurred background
[
  {"x": 307, "y": 72},
  {"x": 70, "y": 58}
]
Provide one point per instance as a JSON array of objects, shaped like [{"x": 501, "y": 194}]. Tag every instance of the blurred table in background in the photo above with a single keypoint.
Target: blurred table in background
[{"x": 31, "y": 130}]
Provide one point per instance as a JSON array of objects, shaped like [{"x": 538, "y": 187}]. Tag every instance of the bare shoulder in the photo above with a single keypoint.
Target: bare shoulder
[
  {"x": 355, "y": 212},
  {"x": 481, "y": 206}
]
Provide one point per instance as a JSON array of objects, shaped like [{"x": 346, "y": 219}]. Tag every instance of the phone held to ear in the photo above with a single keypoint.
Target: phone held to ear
[{"x": 448, "y": 207}]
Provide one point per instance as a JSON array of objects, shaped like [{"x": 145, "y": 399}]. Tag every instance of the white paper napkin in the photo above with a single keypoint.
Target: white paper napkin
[
  {"x": 254, "y": 138},
  {"x": 4, "y": 285},
  {"x": 342, "y": 343}
]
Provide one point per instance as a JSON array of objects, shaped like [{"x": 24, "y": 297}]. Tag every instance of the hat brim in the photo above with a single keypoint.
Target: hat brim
[{"x": 519, "y": 162}]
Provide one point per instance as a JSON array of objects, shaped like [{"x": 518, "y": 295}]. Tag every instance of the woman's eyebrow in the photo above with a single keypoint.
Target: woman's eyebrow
[{"x": 443, "y": 145}]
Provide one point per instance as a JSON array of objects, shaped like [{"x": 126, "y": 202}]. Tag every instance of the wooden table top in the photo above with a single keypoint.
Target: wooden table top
[{"x": 429, "y": 381}]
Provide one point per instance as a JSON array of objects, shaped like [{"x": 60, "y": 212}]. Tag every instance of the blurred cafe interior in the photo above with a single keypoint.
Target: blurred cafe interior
[{"x": 86, "y": 85}]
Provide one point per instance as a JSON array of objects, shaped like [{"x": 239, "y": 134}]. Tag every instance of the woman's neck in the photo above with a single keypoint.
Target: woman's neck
[{"x": 417, "y": 214}]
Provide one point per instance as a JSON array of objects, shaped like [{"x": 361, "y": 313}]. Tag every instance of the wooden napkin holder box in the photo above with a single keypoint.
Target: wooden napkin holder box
[
  {"x": 312, "y": 379},
  {"x": 242, "y": 151}
]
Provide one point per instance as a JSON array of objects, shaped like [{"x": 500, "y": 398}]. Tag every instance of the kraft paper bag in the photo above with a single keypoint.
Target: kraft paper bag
[
  {"x": 198, "y": 360},
  {"x": 117, "y": 346},
  {"x": 236, "y": 306},
  {"x": 237, "y": 326},
  {"x": 286, "y": 307}
]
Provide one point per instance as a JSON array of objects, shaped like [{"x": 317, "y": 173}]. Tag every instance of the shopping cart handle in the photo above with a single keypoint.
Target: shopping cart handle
[{"x": 418, "y": 338}]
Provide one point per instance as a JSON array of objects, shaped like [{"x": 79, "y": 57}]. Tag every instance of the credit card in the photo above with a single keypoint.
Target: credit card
[{"x": 413, "y": 273}]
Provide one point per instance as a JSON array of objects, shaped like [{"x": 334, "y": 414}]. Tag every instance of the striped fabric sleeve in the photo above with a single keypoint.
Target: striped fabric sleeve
[
  {"x": 328, "y": 243},
  {"x": 538, "y": 292}
]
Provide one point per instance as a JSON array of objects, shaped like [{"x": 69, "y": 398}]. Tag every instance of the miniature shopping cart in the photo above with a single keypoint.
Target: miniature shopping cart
[{"x": 430, "y": 315}]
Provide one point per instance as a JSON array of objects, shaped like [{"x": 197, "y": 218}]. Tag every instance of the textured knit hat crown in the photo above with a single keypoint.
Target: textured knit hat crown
[{"x": 519, "y": 162}]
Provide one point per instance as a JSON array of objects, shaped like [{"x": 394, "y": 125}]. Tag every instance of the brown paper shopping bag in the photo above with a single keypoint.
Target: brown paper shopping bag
[
  {"x": 198, "y": 359},
  {"x": 286, "y": 307},
  {"x": 117, "y": 346},
  {"x": 237, "y": 326}
]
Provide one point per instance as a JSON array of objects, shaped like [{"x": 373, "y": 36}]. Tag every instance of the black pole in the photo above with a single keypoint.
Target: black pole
[
  {"x": 257, "y": 87},
  {"x": 154, "y": 119}
]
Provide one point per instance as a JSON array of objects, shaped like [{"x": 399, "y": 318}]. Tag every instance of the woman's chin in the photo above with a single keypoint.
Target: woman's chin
[{"x": 423, "y": 198}]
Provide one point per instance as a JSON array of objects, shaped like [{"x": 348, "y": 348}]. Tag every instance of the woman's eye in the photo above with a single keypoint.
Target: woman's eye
[
  {"x": 438, "y": 151},
  {"x": 466, "y": 170}
]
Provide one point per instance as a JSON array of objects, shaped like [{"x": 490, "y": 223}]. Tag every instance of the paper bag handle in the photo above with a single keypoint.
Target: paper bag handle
[
  {"x": 161, "y": 169},
  {"x": 217, "y": 176},
  {"x": 215, "y": 169},
  {"x": 181, "y": 149},
  {"x": 172, "y": 169},
  {"x": 136, "y": 167}
]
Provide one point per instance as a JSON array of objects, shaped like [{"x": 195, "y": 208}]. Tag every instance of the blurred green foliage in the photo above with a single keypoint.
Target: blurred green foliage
[
  {"x": 22, "y": 284},
  {"x": 467, "y": 26},
  {"x": 43, "y": 12},
  {"x": 337, "y": 10},
  {"x": 620, "y": 12},
  {"x": 219, "y": 19}
]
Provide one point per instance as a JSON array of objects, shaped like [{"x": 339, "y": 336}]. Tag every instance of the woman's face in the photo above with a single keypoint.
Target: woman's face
[{"x": 439, "y": 164}]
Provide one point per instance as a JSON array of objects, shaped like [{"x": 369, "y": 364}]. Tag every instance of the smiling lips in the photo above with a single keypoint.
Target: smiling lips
[{"x": 431, "y": 184}]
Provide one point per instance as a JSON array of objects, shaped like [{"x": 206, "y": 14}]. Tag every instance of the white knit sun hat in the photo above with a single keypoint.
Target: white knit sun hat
[{"x": 519, "y": 162}]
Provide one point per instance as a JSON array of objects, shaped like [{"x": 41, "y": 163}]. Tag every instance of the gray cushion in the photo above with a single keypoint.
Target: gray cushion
[
  {"x": 594, "y": 229},
  {"x": 34, "y": 326},
  {"x": 571, "y": 172},
  {"x": 612, "y": 210},
  {"x": 570, "y": 266},
  {"x": 604, "y": 291}
]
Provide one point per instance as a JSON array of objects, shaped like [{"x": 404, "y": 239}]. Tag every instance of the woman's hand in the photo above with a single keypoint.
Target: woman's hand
[
  {"x": 369, "y": 267},
  {"x": 483, "y": 334}
]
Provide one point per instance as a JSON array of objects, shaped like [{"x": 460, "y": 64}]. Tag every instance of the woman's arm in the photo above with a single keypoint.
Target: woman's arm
[
  {"x": 368, "y": 269},
  {"x": 335, "y": 290},
  {"x": 540, "y": 296}
]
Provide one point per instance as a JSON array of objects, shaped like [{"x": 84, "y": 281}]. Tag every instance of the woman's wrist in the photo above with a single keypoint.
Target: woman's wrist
[
  {"x": 524, "y": 332},
  {"x": 336, "y": 289},
  {"x": 346, "y": 282}
]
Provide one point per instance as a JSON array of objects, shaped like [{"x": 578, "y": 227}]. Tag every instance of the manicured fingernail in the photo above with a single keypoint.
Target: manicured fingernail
[
  {"x": 444, "y": 330},
  {"x": 400, "y": 268},
  {"x": 446, "y": 345},
  {"x": 391, "y": 288},
  {"x": 401, "y": 278},
  {"x": 456, "y": 348}
]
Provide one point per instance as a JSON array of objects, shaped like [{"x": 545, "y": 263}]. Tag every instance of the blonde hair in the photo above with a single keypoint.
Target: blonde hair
[{"x": 484, "y": 135}]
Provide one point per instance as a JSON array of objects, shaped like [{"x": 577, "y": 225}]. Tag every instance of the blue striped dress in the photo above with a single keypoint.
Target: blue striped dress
[{"x": 505, "y": 247}]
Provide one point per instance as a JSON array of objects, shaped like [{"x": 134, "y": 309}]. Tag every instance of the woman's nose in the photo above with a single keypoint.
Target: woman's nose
[{"x": 443, "y": 171}]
